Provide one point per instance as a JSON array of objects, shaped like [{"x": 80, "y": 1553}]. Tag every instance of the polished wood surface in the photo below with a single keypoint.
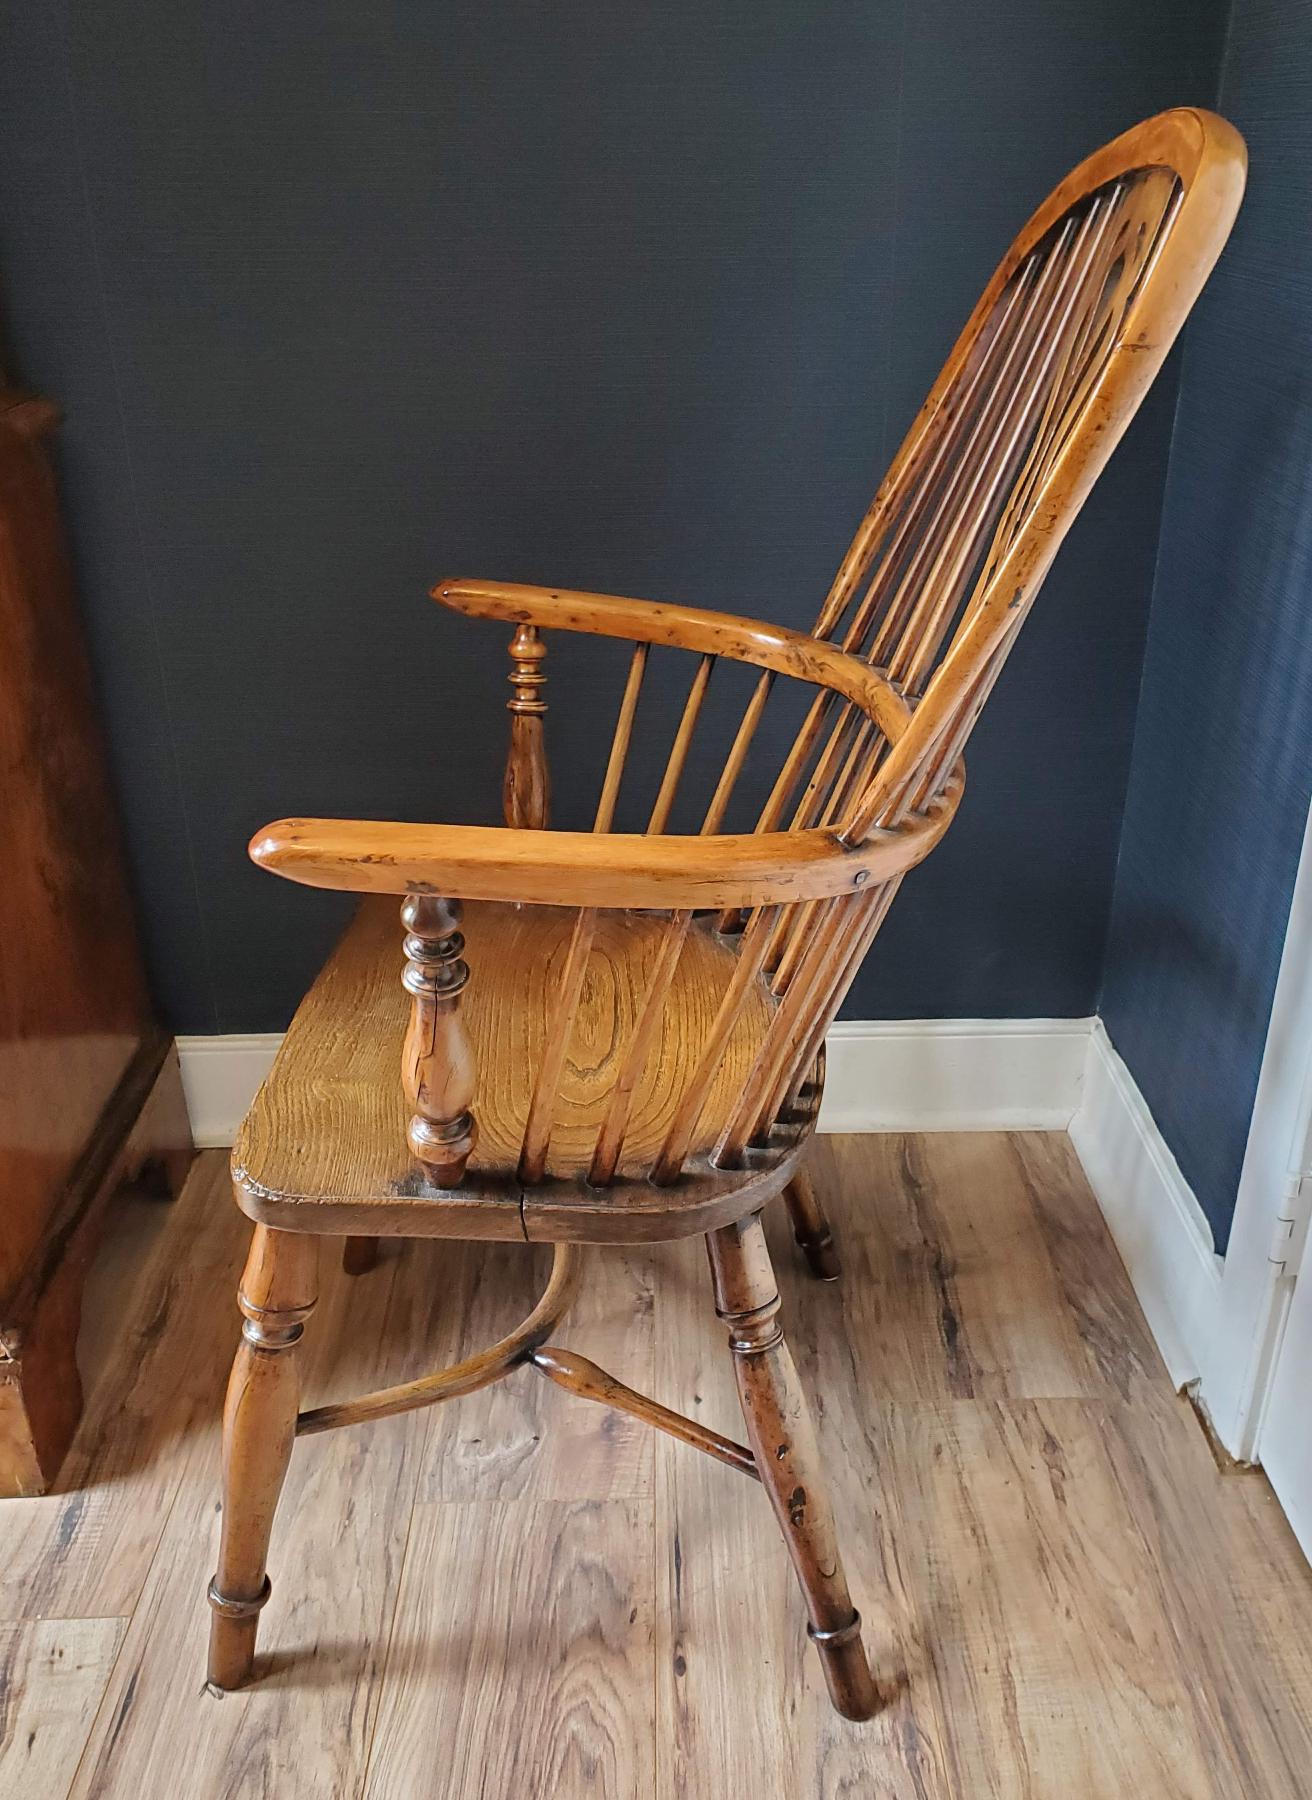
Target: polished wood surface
[
  {"x": 79, "y": 1049},
  {"x": 788, "y": 1457},
  {"x": 527, "y": 788},
  {"x": 526, "y": 1593},
  {"x": 581, "y": 868},
  {"x": 438, "y": 1073},
  {"x": 279, "y": 1288},
  {"x": 606, "y": 1066},
  {"x": 330, "y": 1123},
  {"x": 73, "y": 1005}
]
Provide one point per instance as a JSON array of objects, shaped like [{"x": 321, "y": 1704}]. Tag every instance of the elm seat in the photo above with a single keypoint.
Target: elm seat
[{"x": 326, "y": 1134}]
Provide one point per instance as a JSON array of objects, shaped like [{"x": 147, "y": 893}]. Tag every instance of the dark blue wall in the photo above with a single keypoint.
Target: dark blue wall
[
  {"x": 340, "y": 298},
  {"x": 1222, "y": 766}
]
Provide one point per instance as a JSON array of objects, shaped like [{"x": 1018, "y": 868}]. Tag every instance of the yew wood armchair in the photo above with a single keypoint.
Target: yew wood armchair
[{"x": 585, "y": 1038}]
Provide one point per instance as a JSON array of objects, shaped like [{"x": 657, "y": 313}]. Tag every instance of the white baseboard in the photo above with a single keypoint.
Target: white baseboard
[
  {"x": 220, "y": 1077},
  {"x": 883, "y": 1075},
  {"x": 953, "y": 1074},
  {"x": 1159, "y": 1228}
]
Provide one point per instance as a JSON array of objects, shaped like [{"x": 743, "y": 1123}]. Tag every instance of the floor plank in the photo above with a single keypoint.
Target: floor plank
[
  {"x": 950, "y": 1282},
  {"x": 1040, "y": 1605},
  {"x": 52, "y": 1675},
  {"x": 527, "y": 1673},
  {"x": 1233, "y": 1583},
  {"x": 525, "y": 1439},
  {"x": 1094, "y": 1291}
]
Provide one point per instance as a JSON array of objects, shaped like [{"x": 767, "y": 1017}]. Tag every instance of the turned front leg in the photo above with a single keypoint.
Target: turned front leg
[
  {"x": 788, "y": 1458},
  {"x": 437, "y": 1064},
  {"x": 277, "y": 1295}
]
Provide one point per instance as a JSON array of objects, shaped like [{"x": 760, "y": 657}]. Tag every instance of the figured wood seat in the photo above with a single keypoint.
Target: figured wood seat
[
  {"x": 634, "y": 1047},
  {"x": 327, "y": 1132}
]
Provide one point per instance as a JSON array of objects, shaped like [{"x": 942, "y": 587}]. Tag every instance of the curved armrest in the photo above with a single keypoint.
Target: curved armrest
[
  {"x": 687, "y": 628},
  {"x": 580, "y": 868}
]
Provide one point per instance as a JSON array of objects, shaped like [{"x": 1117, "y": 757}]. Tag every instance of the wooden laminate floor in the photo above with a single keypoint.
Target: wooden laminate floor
[{"x": 521, "y": 1595}]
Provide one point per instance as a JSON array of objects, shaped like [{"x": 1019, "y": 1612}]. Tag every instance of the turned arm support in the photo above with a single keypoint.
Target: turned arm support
[
  {"x": 526, "y": 794},
  {"x": 437, "y": 1062}
]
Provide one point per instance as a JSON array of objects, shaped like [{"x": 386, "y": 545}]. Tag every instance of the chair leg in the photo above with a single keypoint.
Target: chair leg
[
  {"x": 787, "y": 1457},
  {"x": 811, "y": 1227},
  {"x": 359, "y": 1255},
  {"x": 277, "y": 1294}
]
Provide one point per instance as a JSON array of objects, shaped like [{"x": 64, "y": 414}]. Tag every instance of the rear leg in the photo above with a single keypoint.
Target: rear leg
[
  {"x": 788, "y": 1459},
  {"x": 811, "y": 1228},
  {"x": 359, "y": 1255}
]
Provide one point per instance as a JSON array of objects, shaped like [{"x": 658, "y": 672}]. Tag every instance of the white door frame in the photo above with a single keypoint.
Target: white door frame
[{"x": 1239, "y": 1356}]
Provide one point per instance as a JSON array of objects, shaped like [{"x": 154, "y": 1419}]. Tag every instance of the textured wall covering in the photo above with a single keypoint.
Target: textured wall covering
[
  {"x": 1222, "y": 765},
  {"x": 339, "y": 298}
]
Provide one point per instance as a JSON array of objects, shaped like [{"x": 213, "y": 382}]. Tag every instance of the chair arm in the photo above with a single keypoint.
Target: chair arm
[
  {"x": 579, "y": 868},
  {"x": 755, "y": 641}
]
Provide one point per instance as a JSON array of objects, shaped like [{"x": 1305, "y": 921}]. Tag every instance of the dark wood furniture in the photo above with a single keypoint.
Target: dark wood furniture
[
  {"x": 89, "y": 1084},
  {"x": 621, "y": 1036}
]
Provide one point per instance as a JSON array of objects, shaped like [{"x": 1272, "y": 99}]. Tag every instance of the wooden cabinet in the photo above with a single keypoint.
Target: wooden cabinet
[{"x": 89, "y": 1088}]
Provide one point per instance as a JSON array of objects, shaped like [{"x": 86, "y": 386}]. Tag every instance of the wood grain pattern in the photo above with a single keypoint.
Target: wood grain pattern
[
  {"x": 64, "y": 1040},
  {"x": 960, "y": 1292},
  {"x": 727, "y": 1584},
  {"x": 1251, "y": 1668},
  {"x": 143, "y": 1136},
  {"x": 481, "y": 1368},
  {"x": 583, "y": 868},
  {"x": 773, "y": 648},
  {"x": 570, "y": 1041},
  {"x": 52, "y": 1675},
  {"x": 438, "y": 1073},
  {"x": 1076, "y": 1599},
  {"x": 524, "y": 1440},
  {"x": 1020, "y": 1533},
  {"x": 573, "y": 1718},
  {"x": 330, "y": 1122}
]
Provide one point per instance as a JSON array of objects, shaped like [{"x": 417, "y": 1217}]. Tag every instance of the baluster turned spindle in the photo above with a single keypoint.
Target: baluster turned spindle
[
  {"x": 526, "y": 792},
  {"x": 437, "y": 1064}
]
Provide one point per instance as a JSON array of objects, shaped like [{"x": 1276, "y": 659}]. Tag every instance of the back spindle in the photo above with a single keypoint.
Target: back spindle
[
  {"x": 660, "y": 812},
  {"x": 619, "y": 748}
]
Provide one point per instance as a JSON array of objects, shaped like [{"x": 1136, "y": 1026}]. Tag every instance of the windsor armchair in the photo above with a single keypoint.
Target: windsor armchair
[{"x": 622, "y": 1036}]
